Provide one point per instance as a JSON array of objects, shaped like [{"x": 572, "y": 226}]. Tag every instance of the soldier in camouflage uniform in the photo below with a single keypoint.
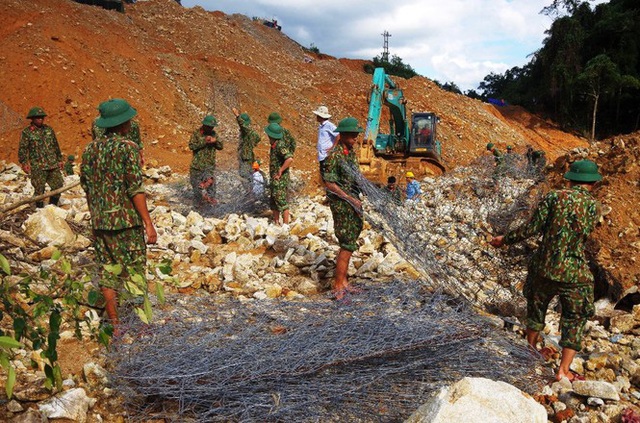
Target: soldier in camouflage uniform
[
  {"x": 111, "y": 177},
  {"x": 204, "y": 143},
  {"x": 564, "y": 218},
  {"x": 289, "y": 141},
  {"x": 39, "y": 155},
  {"x": 280, "y": 159},
  {"x": 340, "y": 172},
  {"x": 132, "y": 135},
  {"x": 249, "y": 139},
  {"x": 68, "y": 166}
]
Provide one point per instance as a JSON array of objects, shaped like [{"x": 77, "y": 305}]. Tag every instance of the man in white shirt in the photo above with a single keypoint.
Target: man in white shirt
[{"x": 326, "y": 135}]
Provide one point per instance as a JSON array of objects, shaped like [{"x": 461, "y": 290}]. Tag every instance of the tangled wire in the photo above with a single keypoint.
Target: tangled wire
[{"x": 375, "y": 358}]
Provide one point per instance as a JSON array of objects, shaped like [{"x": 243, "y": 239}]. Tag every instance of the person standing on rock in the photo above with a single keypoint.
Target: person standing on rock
[
  {"x": 249, "y": 139},
  {"x": 288, "y": 139},
  {"x": 326, "y": 135},
  {"x": 40, "y": 156},
  {"x": 340, "y": 173},
  {"x": 132, "y": 135},
  {"x": 497, "y": 154},
  {"x": 413, "y": 191},
  {"x": 564, "y": 218},
  {"x": 111, "y": 177},
  {"x": 280, "y": 159},
  {"x": 203, "y": 143}
]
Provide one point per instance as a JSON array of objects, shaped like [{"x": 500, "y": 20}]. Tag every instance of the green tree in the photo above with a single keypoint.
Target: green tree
[
  {"x": 395, "y": 67},
  {"x": 600, "y": 77},
  {"x": 556, "y": 81}
]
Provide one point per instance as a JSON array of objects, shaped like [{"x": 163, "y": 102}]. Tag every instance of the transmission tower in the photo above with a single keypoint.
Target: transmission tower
[{"x": 385, "y": 46}]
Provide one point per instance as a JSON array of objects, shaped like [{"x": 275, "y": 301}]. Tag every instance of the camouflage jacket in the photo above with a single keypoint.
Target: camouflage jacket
[
  {"x": 248, "y": 140},
  {"x": 564, "y": 218},
  {"x": 289, "y": 140},
  {"x": 204, "y": 155},
  {"x": 279, "y": 153},
  {"x": 132, "y": 135},
  {"x": 497, "y": 156},
  {"x": 341, "y": 168},
  {"x": 39, "y": 148},
  {"x": 110, "y": 175}
]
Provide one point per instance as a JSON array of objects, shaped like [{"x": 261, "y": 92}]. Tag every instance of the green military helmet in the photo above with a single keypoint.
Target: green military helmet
[
  {"x": 101, "y": 106},
  {"x": 349, "y": 124},
  {"x": 35, "y": 112},
  {"x": 245, "y": 117},
  {"x": 114, "y": 112},
  {"x": 509, "y": 147},
  {"x": 274, "y": 131},
  {"x": 209, "y": 120},
  {"x": 583, "y": 171},
  {"x": 490, "y": 146},
  {"x": 71, "y": 157},
  {"x": 274, "y": 117}
]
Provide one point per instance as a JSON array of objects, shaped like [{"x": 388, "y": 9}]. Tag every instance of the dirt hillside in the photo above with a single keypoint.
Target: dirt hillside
[{"x": 175, "y": 64}]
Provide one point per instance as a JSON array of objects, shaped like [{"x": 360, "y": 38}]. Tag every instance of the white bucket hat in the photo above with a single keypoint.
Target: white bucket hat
[{"x": 323, "y": 112}]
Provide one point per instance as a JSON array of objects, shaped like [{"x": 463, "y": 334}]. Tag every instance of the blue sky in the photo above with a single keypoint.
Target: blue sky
[{"x": 453, "y": 40}]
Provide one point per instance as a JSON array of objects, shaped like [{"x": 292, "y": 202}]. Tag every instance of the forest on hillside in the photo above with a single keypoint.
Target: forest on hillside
[{"x": 586, "y": 75}]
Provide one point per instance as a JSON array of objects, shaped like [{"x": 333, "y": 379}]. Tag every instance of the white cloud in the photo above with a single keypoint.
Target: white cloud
[{"x": 456, "y": 40}]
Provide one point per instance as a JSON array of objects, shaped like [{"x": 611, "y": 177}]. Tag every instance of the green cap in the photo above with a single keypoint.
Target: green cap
[
  {"x": 583, "y": 171},
  {"x": 209, "y": 120},
  {"x": 36, "y": 112},
  {"x": 274, "y": 131},
  {"x": 489, "y": 146},
  {"x": 274, "y": 117},
  {"x": 349, "y": 124},
  {"x": 114, "y": 112},
  {"x": 245, "y": 117}
]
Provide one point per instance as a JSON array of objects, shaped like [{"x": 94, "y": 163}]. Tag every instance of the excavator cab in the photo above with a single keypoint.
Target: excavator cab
[{"x": 423, "y": 135}]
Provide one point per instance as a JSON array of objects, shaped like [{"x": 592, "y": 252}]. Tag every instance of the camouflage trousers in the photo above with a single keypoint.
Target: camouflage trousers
[
  {"x": 347, "y": 224},
  {"x": 126, "y": 247},
  {"x": 278, "y": 190},
  {"x": 39, "y": 178},
  {"x": 203, "y": 183},
  {"x": 576, "y": 300}
]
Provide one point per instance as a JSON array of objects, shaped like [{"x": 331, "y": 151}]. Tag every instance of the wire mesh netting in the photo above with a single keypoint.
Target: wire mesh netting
[
  {"x": 374, "y": 358},
  {"x": 440, "y": 234}
]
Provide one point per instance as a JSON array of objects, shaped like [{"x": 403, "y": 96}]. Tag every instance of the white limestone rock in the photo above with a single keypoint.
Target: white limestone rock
[
  {"x": 480, "y": 400},
  {"x": 72, "y": 404},
  {"x": 48, "y": 226},
  {"x": 596, "y": 388}
]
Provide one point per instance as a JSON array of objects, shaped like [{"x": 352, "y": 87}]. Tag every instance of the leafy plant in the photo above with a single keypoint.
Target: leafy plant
[{"x": 36, "y": 304}]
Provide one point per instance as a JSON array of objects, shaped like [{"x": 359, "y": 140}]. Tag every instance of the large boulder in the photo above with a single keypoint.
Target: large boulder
[
  {"x": 480, "y": 400},
  {"x": 48, "y": 226}
]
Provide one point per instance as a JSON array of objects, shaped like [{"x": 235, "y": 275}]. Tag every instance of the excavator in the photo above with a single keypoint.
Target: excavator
[{"x": 409, "y": 145}]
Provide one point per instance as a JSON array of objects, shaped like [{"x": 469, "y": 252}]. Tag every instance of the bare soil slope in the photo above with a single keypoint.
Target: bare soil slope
[{"x": 175, "y": 64}]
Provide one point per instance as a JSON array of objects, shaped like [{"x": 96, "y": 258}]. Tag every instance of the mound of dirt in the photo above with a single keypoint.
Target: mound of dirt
[{"x": 175, "y": 64}]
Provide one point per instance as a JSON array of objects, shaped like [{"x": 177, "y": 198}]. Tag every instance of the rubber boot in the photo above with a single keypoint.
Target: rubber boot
[
  {"x": 39, "y": 204},
  {"x": 54, "y": 200}
]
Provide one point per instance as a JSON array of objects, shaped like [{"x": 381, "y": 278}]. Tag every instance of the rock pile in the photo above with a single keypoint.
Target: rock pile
[{"x": 442, "y": 239}]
